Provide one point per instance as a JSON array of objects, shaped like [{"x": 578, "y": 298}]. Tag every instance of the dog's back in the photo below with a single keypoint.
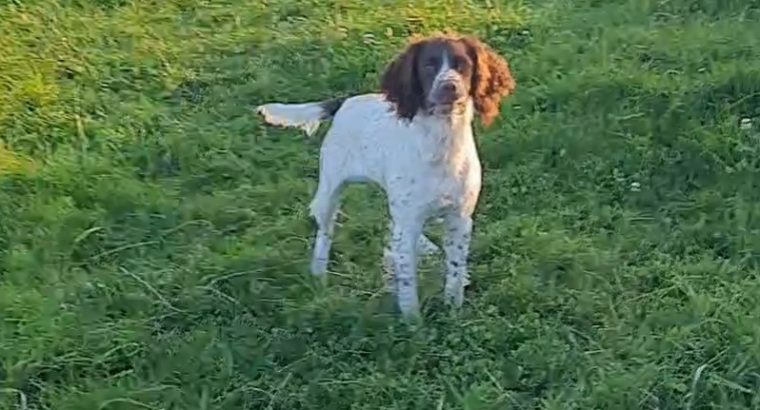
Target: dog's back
[{"x": 364, "y": 138}]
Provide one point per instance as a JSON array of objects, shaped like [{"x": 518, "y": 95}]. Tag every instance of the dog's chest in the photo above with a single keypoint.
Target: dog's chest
[
  {"x": 454, "y": 185},
  {"x": 444, "y": 174}
]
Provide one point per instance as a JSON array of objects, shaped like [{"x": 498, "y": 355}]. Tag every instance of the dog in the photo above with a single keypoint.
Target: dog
[{"x": 414, "y": 139}]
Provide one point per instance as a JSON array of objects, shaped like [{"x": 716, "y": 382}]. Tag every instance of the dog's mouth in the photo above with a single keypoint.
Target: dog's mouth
[{"x": 448, "y": 108}]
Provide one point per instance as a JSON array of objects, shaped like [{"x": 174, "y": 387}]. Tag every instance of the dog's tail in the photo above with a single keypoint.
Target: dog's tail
[{"x": 305, "y": 116}]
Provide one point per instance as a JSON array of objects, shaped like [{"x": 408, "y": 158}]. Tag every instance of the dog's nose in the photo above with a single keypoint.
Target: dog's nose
[
  {"x": 448, "y": 92},
  {"x": 448, "y": 88}
]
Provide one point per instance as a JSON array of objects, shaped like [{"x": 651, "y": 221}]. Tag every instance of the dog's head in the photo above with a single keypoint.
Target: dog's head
[{"x": 439, "y": 74}]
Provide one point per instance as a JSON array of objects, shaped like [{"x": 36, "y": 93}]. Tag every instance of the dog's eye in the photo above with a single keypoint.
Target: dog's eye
[
  {"x": 431, "y": 63},
  {"x": 460, "y": 64}
]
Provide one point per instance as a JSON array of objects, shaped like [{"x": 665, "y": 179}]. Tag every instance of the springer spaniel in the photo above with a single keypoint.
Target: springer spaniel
[{"x": 415, "y": 140}]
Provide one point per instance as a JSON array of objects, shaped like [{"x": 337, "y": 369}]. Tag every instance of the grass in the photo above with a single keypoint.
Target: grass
[{"x": 154, "y": 237}]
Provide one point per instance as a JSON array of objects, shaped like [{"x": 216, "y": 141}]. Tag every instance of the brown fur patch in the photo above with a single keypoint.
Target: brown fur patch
[
  {"x": 400, "y": 84},
  {"x": 491, "y": 80}
]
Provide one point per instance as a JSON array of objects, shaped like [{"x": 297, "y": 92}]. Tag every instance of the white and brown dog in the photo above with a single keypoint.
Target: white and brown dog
[{"x": 415, "y": 140}]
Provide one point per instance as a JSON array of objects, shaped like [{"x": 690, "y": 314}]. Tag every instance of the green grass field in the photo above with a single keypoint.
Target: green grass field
[{"x": 154, "y": 235}]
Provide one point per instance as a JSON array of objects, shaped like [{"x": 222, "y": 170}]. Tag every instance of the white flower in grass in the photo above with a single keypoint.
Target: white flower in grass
[
  {"x": 745, "y": 124},
  {"x": 369, "y": 39}
]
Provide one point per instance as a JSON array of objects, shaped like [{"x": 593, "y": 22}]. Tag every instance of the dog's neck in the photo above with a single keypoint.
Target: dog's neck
[
  {"x": 458, "y": 118},
  {"x": 451, "y": 133}
]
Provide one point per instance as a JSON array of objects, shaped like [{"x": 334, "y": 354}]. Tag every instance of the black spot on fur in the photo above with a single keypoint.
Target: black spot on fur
[{"x": 330, "y": 107}]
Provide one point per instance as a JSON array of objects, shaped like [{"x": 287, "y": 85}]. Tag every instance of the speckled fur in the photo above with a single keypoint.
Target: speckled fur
[{"x": 427, "y": 163}]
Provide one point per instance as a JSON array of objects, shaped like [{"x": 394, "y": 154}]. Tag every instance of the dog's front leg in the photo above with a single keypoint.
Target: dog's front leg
[
  {"x": 425, "y": 247},
  {"x": 456, "y": 246},
  {"x": 404, "y": 237}
]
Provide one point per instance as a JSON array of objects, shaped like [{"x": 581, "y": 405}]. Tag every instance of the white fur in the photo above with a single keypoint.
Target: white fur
[
  {"x": 305, "y": 116},
  {"x": 445, "y": 73},
  {"x": 428, "y": 167}
]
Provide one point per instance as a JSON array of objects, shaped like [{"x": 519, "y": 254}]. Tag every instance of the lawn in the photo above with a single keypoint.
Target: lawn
[{"x": 154, "y": 234}]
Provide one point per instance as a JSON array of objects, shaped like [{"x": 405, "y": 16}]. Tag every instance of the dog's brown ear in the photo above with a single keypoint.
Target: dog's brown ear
[
  {"x": 400, "y": 82},
  {"x": 491, "y": 81}
]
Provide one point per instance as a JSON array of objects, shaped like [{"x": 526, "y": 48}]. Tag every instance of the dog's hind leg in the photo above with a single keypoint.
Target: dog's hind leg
[
  {"x": 324, "y": 208},
  {"x": 426, "y": 247}
]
